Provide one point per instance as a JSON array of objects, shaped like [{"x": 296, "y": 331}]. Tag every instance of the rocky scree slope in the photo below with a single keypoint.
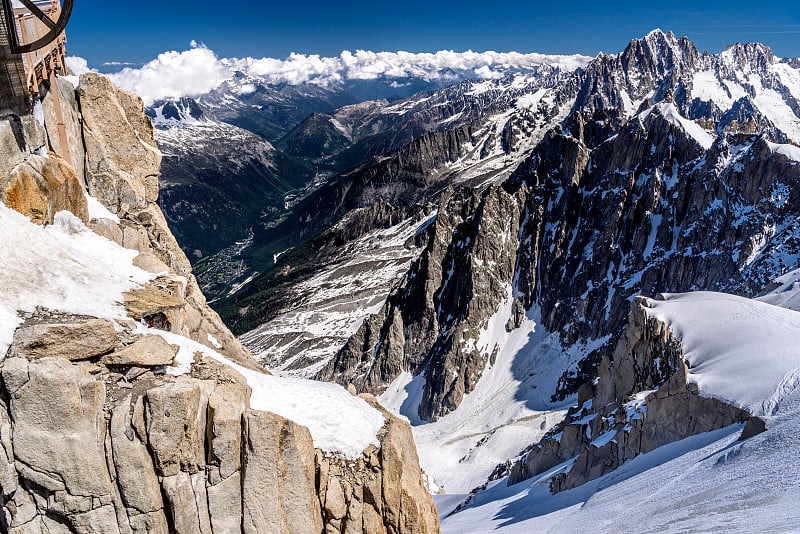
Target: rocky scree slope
[
  {"x": 605, "y": 208},
  {"x": 126, "y": 405}
]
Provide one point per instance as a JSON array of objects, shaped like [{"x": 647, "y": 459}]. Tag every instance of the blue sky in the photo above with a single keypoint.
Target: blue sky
[{"x": 138, "y": 31}]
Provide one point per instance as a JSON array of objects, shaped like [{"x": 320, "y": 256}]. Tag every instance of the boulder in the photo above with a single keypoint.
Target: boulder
[
  {"x": 162, "y": 296},
  {"x": 408, "y": 506},
  {"x": 72, "y": 341},
  {"x": 147, "y": 351},
  {"x": 40, "y": 187},
  {"x": 20, "y": 136},
  {"x": 13, "y": 146}
]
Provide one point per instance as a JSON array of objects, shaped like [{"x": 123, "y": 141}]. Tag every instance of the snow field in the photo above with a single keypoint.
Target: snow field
[
  {"x": 740, "y": 350},
  {"x": 508, "y": 410}
]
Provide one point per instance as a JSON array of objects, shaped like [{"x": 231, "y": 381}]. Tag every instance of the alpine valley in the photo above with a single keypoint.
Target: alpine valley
[{"x": 577, "y": 280}]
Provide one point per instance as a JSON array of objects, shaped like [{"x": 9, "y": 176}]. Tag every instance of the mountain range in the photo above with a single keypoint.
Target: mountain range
[{"x": 538, "y": 271}]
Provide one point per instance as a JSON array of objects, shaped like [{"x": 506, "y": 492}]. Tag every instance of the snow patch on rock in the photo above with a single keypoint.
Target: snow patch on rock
[
  {"x": 739, "y": 350},
  {"x": 62, "y": 267}
]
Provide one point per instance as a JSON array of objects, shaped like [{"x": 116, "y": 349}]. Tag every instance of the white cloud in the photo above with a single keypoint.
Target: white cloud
[
  {"x": 486, "y": 73},
  {"x": 247, "y": 89},
  {"x": 174, "y": 74},
  {"x": 78, "y": 65},
  {"x": 198, "y": 70}
]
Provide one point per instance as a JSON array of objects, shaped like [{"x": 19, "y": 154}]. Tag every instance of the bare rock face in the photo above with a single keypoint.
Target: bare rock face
[
  {"x": 402, "y": 483},
  {"x": 122, "y": 163},
  {"x": 59, "y": 440},
  {"x": 66, "y": 113},
  {"x": 121, "y": 157},
  {"x": 449, "y": 295},
  {"x": 40, "y": 187},
  {"x": 278, "y": 477},
  {"x": 642, "y": 400}
]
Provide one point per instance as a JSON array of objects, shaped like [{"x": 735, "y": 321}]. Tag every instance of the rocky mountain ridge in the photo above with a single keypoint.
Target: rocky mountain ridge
[
  {"x": 593, "y": 103},
  {"x": 612, "y": 203},
  {"x": 604, "y": 213}
]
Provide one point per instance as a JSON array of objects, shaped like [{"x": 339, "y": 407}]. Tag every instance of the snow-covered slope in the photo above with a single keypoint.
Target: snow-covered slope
[
  {"x": 67, "y": 268},
  {"x": 91, "y": 276},
  {"x": 738, "y": 349},
  {"x": 706, "y": 483},
  {"x": 509, "y": 408}
]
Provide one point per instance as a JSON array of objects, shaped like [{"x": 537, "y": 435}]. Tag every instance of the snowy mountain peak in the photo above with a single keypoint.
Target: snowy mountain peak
[
  {"x": 749, "y": 57},
  {"x": 660, "y": 52},
  {"x": 671, "y": 114},
  {"x": 175, "y": 112}
]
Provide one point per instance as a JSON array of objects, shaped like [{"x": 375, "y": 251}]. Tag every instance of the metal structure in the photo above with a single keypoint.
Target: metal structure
[
  {"x": 32, "y": 52},
  {"x": 32, "y": 47},
  {"x": 47, "y": 12},
  {"x": 39, "y": 36}
]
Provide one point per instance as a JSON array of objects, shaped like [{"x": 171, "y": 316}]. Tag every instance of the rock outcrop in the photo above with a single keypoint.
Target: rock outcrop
[
  {"x": 641, "y": 400},
  {"x": 111, "y": 444},
  {"x": 96, "y": 436},
  {"x": 122, "y": 163},
  {"x": 602, "y": 213}
]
